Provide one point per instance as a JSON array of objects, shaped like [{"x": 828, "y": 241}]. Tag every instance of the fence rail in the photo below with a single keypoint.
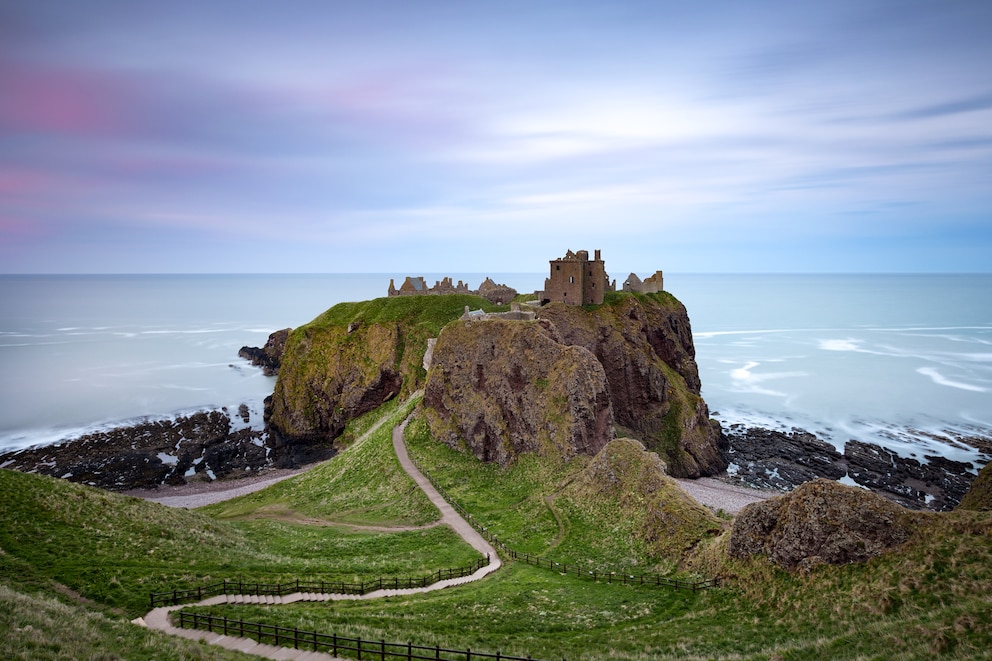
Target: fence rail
[
  {"x": 564, "y": 568},
  {"x": 176, "y": 597},
  {"x": 331, "y": 643}
]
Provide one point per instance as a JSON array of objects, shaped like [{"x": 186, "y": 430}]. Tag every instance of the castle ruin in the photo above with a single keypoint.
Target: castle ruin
[
  {"x": 489, "y": 290},
  {"x": 577, "y": 280},
  {"x": 650, "y": 285}
]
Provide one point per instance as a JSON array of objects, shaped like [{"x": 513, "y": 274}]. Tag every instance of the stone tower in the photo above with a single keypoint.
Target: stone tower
[{"x": 577, "y": 280}]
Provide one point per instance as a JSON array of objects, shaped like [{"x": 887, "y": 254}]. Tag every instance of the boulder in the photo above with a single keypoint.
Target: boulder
[{"x": 820, "y": 522}]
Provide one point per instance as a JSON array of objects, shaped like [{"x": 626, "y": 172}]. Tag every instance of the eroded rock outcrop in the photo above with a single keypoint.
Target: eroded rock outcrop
[
  {"x": 670, "y": 520},
  {"x": 268, "y": 357},
  {"x": 820, "y": 522},
  {"x": 331, "y": 375},
  {"x": 645, "y": 346},
  {"x": 506, "y": 387}
]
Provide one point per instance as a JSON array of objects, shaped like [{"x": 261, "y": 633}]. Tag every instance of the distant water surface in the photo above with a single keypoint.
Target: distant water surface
[
  {"x": 901, "y": 360},
  {"x": 898, "y": 359}
]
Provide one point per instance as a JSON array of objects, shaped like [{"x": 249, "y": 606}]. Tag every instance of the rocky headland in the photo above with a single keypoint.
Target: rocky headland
[
  {"x": 644, "y": 343},
  {"x": 268, "y": 357}
]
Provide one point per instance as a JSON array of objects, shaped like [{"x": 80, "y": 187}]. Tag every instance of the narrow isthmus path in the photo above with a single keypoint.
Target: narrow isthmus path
[{"x": 158, "y": 618}]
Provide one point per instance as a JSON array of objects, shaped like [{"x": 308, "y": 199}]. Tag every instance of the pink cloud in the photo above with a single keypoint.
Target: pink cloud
[
  {"x": 73, "y": 101},
  {"x": 15, "y": 228},
  {"x": 22, "y": 182}
]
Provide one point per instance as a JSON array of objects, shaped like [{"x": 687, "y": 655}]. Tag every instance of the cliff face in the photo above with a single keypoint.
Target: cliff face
[
  {"x": 329, "y": 376},
  {"x": 645, "y": 345},
  {"x": 353, "y": 358},
  {"x": 505, "y": 387}
]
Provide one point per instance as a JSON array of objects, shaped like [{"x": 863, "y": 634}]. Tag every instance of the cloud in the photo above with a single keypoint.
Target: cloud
[{"x": 708, "y": 135}]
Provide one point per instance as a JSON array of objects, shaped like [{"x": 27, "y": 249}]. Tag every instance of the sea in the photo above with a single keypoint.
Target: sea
[{"x": 901, "y": 360}]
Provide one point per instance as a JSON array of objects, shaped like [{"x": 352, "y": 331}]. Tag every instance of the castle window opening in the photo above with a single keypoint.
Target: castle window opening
[{"x": 571, "y": 279}]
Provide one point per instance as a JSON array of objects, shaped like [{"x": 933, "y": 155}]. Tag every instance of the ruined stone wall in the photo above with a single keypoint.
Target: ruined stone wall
[{"x": 565, "y": 283}]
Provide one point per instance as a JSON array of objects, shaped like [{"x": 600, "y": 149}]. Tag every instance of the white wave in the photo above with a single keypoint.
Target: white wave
[
  {"x": 192, "y": 331},
  {"x": 745, "y": 373},
  {"x": 941, "y": 380},
  {"x": 747, "y": 381},
  {"x": 709, "y": 334},
  {"x": 841, "y": 345}
]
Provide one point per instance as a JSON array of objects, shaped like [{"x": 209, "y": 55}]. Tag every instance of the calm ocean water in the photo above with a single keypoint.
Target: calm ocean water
[{"x": 901, "y": 360}]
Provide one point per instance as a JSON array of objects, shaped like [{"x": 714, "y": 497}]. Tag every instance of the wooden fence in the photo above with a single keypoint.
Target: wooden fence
[
  {"x": 330, "y": 643},
  {"x": 327, "y": 587}
]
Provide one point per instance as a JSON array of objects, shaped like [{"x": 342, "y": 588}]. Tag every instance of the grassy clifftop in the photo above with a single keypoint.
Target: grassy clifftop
[{"x": 356, "y": 356}]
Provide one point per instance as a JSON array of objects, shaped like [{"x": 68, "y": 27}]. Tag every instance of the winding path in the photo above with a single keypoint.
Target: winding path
[{"x": 158, "y": 618}]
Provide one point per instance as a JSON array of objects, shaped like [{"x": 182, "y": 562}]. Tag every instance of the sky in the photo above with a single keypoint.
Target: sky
[{"x": 482, "y": 136}]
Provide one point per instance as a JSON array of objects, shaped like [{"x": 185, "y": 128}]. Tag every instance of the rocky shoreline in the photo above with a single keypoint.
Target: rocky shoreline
[
  {"x": 197, "y": 448},
  {"x": 204, "y": 450},
  {"x": 782, "y": 460}
]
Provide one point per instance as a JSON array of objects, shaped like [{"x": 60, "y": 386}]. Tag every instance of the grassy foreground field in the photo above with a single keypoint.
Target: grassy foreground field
[{"x": 77, "y": 563}]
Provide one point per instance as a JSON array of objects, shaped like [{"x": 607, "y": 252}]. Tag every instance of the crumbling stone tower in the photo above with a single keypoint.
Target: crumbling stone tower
[{"x": 577, "y": 280}]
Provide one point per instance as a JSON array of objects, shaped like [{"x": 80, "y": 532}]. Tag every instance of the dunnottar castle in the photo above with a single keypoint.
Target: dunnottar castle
[{"x": 574, "y": 279}]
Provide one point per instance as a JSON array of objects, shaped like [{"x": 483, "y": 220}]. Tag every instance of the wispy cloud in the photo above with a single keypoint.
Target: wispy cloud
[{"x": 694, "y": 131}]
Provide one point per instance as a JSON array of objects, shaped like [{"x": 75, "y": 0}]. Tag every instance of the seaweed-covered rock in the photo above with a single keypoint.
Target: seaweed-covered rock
[
  {"x": 766, "y": 458},
  {"x": 820, "y": 522},
  {"x": 200, "y": 446},
  {"x": 938, "y": 483}
]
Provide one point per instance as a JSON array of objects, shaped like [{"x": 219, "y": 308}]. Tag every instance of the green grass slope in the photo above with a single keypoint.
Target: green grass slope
[
  {"x": 930, "y": 598},
  {"x": 113, "y": 550},
  {"x": 341, "y": 491},
  {"x": 71, "y": 555},
  {"x": 37, "y": 628}
]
